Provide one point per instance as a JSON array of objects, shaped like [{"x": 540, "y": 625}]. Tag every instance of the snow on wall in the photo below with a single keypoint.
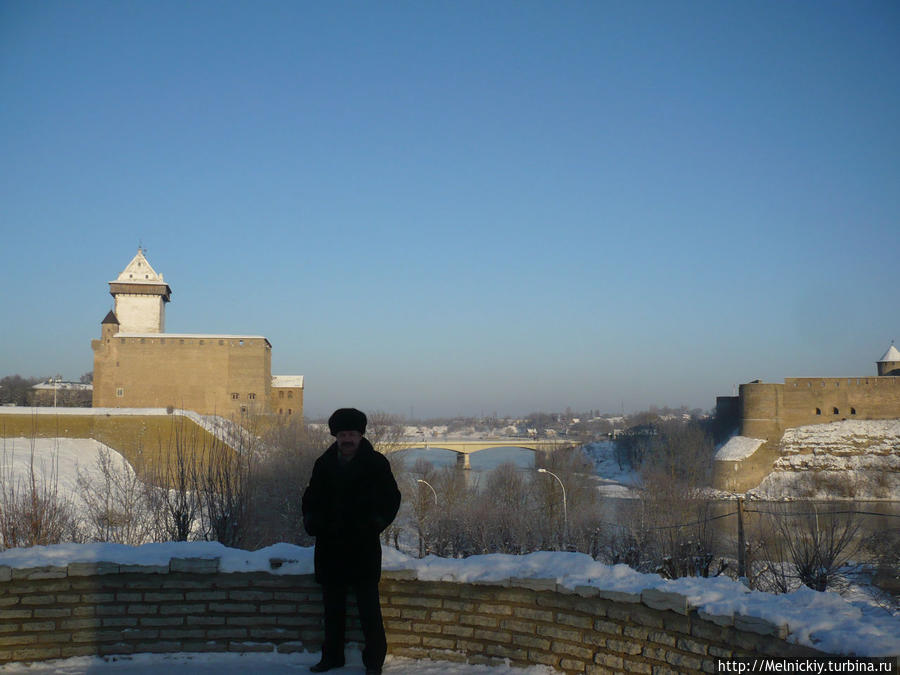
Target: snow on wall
[{"x": 738, "y": 448}]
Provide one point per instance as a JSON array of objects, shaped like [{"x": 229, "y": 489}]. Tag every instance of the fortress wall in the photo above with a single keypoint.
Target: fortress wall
[
  {"x": 746, "y": 474},
  {"x": 838, "y": 398},
  {"x": 766, "y": 410},
  {"x": 195, "y": 373},
  {"x": 187, "y": 605}
]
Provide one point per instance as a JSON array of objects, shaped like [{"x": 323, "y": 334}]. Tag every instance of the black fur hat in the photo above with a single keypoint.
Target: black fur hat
[{"x": 347, "y": 419}]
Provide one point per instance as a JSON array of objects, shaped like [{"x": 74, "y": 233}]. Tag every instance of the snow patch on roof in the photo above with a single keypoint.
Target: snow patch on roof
[
  {"x": 738, "y": 448},
  {"x": 287, "y": 381}
]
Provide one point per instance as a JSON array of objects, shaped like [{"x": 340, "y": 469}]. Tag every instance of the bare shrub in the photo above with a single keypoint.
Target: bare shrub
[
  {"x": 171, "y": 487},
  {"x": 32, "y": 510},
  {"x": 116, "y": 502},
  {"x": 806, "y": 548},
  {"x": 224, "y": 482}
]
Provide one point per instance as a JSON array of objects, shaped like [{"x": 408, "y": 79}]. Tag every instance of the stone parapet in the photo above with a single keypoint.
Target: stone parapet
[{"x": 102, "y": 608}]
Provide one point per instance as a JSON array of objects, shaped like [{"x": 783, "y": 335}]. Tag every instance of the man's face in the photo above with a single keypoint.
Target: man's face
[{"x": 348, "y": 441}]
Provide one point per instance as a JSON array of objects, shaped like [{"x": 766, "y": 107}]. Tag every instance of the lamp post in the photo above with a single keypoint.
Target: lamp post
[
  {"x": 565, "y": 508},
  {"x": 419, "y": 480}
]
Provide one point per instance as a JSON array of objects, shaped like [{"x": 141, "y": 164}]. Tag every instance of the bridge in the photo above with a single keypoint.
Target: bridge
[{"x": 464, "y": 448}]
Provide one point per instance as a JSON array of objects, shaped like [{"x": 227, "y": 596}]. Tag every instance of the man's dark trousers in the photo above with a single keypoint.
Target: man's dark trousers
[{"x": 334, "y": 598}]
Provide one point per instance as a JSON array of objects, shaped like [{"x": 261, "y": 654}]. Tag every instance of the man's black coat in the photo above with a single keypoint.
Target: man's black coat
[{"x": 346, "y": 507}]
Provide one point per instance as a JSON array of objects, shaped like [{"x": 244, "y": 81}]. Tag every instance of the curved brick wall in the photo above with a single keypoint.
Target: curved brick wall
[{"x": 189, "y": 606}]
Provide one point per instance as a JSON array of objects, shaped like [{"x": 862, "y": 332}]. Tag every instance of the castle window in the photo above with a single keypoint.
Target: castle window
[
  {"x": 852, "y": 411},
  {"x": 201, "y": 342},
  {"x": 281, "y": 411},
  {"x": 280, "y": 394},
  {"x": 289, "y": 411},
  {"x": 290, "y": 394},
  {"x": 818, "y": 411},
  {"x": 835, "y": 411},
  {"x": 235, "y": 396},
  {"x": 251, "y": 396},
  {"x": 120, "y": 392},
  {"x": 240, "y": 343},
  {"x": 143, "y": 340},
  {"x": 243, "y": 409},
  {"x": 181, "y": 341},
  {"x": 221, "y": 342}
]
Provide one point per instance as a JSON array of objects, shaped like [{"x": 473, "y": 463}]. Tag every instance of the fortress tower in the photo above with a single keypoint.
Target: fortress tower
[
  {"x": 889, "y": 364},
  {"x": 141, "y": 296}
]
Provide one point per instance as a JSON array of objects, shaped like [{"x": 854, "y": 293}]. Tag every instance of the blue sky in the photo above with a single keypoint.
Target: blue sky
[{"x": 461, "y": 207}]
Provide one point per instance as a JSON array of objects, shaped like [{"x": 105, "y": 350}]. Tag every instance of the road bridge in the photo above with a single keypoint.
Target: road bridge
[{"x": 464, "y": 448}]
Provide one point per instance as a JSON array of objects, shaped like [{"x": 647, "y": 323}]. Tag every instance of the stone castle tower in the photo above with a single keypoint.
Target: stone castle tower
[
  {"x": 141, "y": 296},
  {"x": 889, "y": 364},
  {"x": 138, "y": 365}
]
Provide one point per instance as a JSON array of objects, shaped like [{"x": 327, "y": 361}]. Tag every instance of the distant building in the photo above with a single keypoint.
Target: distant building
[
  {"x": 763, "y": 411},
  {"x": 56, "y": 392},
  {"x": 138, "y": 365}
]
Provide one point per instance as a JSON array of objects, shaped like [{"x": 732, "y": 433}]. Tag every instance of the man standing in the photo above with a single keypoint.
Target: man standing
[{"x": 351, "y": 497}]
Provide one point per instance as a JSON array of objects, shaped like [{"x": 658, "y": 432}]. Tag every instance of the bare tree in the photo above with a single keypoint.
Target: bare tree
[{"x": 286, "y": 455}]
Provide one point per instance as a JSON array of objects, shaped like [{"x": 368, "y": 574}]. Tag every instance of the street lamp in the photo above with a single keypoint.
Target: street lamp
[
  {"x": 419, "y": 480},
  {"x": 565, "y": 508}
]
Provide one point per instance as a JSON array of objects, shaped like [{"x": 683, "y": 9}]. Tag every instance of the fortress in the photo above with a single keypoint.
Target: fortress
[
  {"x": 138, "y": 365},
  {"x": 764, "y": 411}
]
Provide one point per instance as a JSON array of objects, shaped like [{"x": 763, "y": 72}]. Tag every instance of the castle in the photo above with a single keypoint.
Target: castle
[
  {"x": 138, "y": 365},
  {"x": 763, "y": 411}
]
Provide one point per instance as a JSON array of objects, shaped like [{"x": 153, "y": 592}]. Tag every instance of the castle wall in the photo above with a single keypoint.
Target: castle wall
[
  {"x": 821, "y": 400},
  {"x": 286, "y": 400},
  {"x": 766, "y": 410},
  {"x": 223, "y": 375}
]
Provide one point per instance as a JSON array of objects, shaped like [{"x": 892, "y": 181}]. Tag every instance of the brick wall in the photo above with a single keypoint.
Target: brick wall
[{"x": 189, "y": 606}]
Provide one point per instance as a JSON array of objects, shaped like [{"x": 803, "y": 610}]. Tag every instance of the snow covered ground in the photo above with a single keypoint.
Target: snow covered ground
[
  {"x": 56, "y": 461},
  {"x": 239, "y": 664},
  {"x": 613, "y": 480}
]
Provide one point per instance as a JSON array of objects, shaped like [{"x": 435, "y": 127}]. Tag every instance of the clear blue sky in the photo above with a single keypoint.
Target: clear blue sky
[{"x": 462, "y": 207}]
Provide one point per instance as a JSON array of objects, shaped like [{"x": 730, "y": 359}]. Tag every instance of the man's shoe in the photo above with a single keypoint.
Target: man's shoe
[{"x": 325, "y": 664}]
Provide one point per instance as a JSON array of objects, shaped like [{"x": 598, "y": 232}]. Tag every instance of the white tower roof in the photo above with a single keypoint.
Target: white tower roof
[
  {"x": 892, "y": 354},
  {"x": 139, "y": 271}
]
